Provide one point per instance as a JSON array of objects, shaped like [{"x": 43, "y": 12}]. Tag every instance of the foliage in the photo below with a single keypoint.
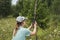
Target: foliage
[
  {"x": 5, "y": 8},
  {"x": 47, "y": 17}
]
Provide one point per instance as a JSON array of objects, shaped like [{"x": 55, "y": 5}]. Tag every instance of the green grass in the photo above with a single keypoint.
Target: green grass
[
  {"x": 8, "y": 24},
  {"x": 6, "y": 28}
]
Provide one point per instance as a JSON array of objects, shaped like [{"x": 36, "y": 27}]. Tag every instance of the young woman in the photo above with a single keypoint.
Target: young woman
[{"x": 20, "y": 32}]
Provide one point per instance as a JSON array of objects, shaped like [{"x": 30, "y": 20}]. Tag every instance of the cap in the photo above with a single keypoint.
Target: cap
[{"x": 20, "y": 19}]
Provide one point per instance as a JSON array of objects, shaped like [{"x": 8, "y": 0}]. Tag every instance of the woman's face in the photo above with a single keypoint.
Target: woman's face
[{"x": 24, "y": 22}]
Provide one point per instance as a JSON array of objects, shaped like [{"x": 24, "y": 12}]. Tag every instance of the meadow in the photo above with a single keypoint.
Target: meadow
[{"x": 8, "y": 24}]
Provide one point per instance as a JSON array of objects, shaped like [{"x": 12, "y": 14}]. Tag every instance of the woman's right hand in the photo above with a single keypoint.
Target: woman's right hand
[
  {"x": 35, "y": 27},
  {"x": 35, "y": 24}
]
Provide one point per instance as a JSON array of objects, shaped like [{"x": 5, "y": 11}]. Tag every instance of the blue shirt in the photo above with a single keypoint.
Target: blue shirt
[{"x": 21, "y": 34}]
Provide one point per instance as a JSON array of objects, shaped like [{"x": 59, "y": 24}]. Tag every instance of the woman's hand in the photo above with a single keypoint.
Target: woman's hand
[
  {"x": 35, "y": 24},
  {"x": 34, "y": 30}
]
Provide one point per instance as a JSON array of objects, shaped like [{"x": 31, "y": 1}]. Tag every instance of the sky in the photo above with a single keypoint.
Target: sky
[{"x": 14, "y": 2}]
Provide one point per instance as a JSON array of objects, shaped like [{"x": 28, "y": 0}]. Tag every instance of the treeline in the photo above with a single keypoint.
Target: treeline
[
  {"x": 45, "y": 10},
  {"x": 5, "y": 8},
  {"x": 27, "y": 7}
]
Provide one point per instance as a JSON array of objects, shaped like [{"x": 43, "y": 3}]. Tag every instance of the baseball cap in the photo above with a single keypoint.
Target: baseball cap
[{"x": 20, "y": 19}]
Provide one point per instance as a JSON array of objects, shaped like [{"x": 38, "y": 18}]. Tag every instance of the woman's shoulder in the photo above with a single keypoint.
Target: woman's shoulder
[{"x": 25, "y": 28}]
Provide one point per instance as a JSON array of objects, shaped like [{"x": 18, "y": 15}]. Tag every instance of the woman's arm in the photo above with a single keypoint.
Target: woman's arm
[
  {"x": 34, "y": 30},
  {"x": 30, "y": 27},
  {"x": 14, "y": 32}
]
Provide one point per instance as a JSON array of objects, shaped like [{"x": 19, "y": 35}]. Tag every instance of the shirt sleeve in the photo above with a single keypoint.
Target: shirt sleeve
[{"x": 27, "y": 32}]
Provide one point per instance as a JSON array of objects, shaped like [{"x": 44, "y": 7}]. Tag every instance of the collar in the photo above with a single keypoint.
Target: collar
[{"x": 20, "y": 27}]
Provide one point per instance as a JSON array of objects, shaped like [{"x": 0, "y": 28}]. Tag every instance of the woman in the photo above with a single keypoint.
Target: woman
[{"x": 20, "y": 32}]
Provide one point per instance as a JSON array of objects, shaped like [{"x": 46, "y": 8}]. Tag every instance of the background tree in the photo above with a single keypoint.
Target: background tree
[{"x": 5, "y": 8}]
